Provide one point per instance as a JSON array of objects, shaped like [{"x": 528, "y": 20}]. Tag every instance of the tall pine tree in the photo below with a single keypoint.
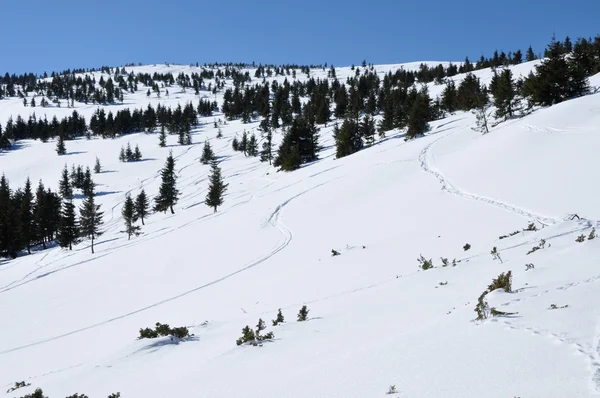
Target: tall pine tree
[
  {"x": 216, "y": 187},
  {"x": 141, "y": 206},
  {"x": 128, "y": 213},
  {"x": 90, "y": 218},
  {"x": 168, "y": 193}
]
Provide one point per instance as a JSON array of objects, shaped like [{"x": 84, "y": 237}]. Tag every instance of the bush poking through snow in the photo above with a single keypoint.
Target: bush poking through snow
[
  {"x": 252, "y": 337},
  {"x": 529, "y": 266},
  {"x": 38, "y": 393},
  {"x": 115, "y": 395},
  {"x": 18, "y": 384},
  {"x": 531, "y": 227},
  {"x": 495, "y": 254},
  {"x": 444, "y": 261},
  {"x": 279, "y": 318},
  {"x": 303, "y": 314},
  {"x": 503, "y": 281},
  {"x": 424, "y": 264},
  {"x": 334, "y": 253},
  {"x": 76, "y": 395},
  {"x": 592, "y": 234},
  {"x": 482, "y": 308},
  {"x": 580, "y": 238},
  {"x": 555, "y": 307},
  {"x": 163, "y": 330},
  {"x": 542, "y": 245},
  {"x": 454, "y": 263},
  {"x": 466, "y": 247},
  {"x": 392, "y": 390}
]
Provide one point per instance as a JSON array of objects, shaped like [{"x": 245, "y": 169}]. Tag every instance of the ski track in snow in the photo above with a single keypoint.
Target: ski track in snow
[
  {"x": 595, "y": 363},
  {"x": 447, "y": 186},
  {"x": 273, "y": 220}
]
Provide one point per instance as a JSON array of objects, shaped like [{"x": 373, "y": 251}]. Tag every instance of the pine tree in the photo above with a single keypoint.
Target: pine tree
[
  {"x": 419, "y": 115},
  {"x": 207, "y": 154},
  {"x": 244, "y": 143},
  {"x": 482, "y": 114},
  {"x": 347, "y": 138},
  {"x": 162, "y": 137},
  {"x": 216, "y": 187},
  {"x": 530, "y": 56},
  {"x": 141, "y": 206},
  {"x": 137, "y": 154},
  {"x": 266, "y": 155},
  {"x": 122, "y": 156},
  {"x": 503, "y": 91},
  {"x": 90, "y": 218},
  {"x": 168, "y": 193},
  {"x": 235, "y": 145},
  {"x": 9, "y": 244},
  {"x": 252, "y": 146},
  {"x": 449, "y": 97},
  {"x": 97, "y": 166},
  {"x": 367, "y": 130},
  {"x": 87, "y": 185},
  {"x": 128, "y": 153},
  {"x": 128, "y": 214},
  {"x": 64, "y": 186},
  {"x": 26, "y": 220},
  {"x": 61, "y": 149},
  {"x": 68, "y": 229}
]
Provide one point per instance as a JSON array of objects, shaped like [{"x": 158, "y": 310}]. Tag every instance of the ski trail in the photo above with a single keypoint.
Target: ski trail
[
  {"x": 427, "y": 166},
  {"x": 273, "y": 220},
  {"x": 596, "y": 361}
]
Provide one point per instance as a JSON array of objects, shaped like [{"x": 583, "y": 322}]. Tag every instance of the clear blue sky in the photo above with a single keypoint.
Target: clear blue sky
[{"x": 42, "y": 35}]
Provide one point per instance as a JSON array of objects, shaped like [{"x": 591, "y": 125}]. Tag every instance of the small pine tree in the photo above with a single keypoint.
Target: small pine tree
[
  {"x": 128, "y": 213},
  {"x": 141, "y": 206},
  {"x": 235, "y": 145},
  {"x": 207, "y": 154},
  {"x": 137, "y": 154},
  {"x": 279, "y": 318},
  {"x": 64, "y": 186},
  {"x": 216, "y": 187},
  {"x": 168, "y": 194},
  {"x": 303, "y": 314},
  {"x": 97, "y": 166},
  {"x": 90, "y": 218},
  {"x": 129, "y": 153},
  {"x": 68, "y": 229},
  {"x": 266, "y": 155},
  {"x": 61, "y": 149},
  {"x": 252, "y": 148},
  {"x": 162, "y": 137},
  {"x": 425, "y": 264},
  {"x": 592, "y": 234},
  {"x": 122, "y": 157},
  {"x": 219, "y": 132},
  {"x": 482, "y": 114}
]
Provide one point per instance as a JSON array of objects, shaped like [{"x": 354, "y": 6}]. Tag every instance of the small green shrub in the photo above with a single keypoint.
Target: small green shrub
[
  {"x": 279, "y": 318},
  {"x": 254, "y": 337},
  {"x": 529, "y": 266},
  {"x": 392, "y": 390},
  {"x": 482, "y": 308},
  {"x": 592, "y": 234},
  {"x": 18, "y": 384},
  {"x": 334, "y": 253},
  {"x": 503, "y": 281},
  {"x": 303, "y": 314},
  {"x": 162, "y": 330},
  {"x": 444, "y": 261},
  {"x": 38, "y": 393},
  {"x": 466, "y": 247},
  {"x": 495, "y": 254},
  {"x": 580, "y": 238},
  {"x": 531, "y": 227},
  {"x": 424, "y": 264}
]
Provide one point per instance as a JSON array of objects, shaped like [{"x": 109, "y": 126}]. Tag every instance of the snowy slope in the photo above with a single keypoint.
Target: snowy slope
[{"x": 70, "y": 319}]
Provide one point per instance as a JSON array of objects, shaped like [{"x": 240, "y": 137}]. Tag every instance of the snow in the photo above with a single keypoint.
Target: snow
[{"x": 71, "y": 319}]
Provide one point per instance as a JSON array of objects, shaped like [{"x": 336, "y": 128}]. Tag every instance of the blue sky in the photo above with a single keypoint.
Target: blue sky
[{"x": 41, "y": 35}]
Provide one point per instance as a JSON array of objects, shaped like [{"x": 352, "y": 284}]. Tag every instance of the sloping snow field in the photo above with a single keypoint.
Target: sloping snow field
[{"x": 70, "y": 319}]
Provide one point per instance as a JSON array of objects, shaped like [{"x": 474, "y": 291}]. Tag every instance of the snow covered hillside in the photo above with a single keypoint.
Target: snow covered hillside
[{"x": 70, "y": 319}]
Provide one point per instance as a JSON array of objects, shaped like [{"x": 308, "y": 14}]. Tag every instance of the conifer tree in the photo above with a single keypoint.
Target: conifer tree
[
  {"x": 97, "y": 166},
  {"x": 129, "y": 217},
  {"x": 244, "y": 143},
  {"x": 252, "y": 149},
  {"x": 122, "y": 157},
  {"x": 137, "y": 154},
  {"x": 419, "y": 115},
  {"x": 216, "y": 187},
  {"x": 64, "y": 186},
  {"x": 87, "y": 185},
  {"x": 266, "y": 155},
  {"x": 235, "y": 145},
  {"x": 207, "y": 154},
  {"x": 367, "y": 130},
  {"x": 503, "y": 91},
  {"x": 128, "y": 153},
  {"x": 449, "y": 97},
  {"x": 61, "y": 149},
  {"x": 68, "y": 229},
  {"x": 162, "y": 137},
  {"x": 141, "y": 206},
  {"x": 90, "y": 218},
  {"x": 530, "y": 56},
  {"x": 26, "y": 220},
  {"x": 347, "y": 138},
  {"x": 168, "y": 193}
]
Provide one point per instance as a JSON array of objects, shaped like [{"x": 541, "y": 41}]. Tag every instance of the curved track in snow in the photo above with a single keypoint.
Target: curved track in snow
[{"x": 427, "y": 165}]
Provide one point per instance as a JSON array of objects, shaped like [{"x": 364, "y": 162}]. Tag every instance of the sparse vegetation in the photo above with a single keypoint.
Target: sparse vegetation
[
  {"x": 162, "y": 330},
  {"x": 254, "y": 337},
  {"x": 580, "y": 238},
  {"x": 531, "y": 227},
  {"x": 555, "y": 307},
  {"x": 483, "y": 310},
  {"x": 495, "y": 254},
  {"x": 466, "y": 247},
  {"x": 424, "y": 264},
  {"x": 503, "y": 281},
  {"x": 334, "y": 253},
  {"x": 542, "y": 245},
  {"x": 392, "y": 390},
  {"x": 279, "y": 319},
  {"x": 592, "y": 234},
  {"x": 529, "y": 266},
  {"x": 303, "y": 314},
  {"x": 18, "y": 384},
  {"x": 444, "y": 261}
]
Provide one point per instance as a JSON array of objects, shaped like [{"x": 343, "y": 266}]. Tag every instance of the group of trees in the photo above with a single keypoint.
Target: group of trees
[
  {"x": 247, "y": 145},
  {"x": 128, "y": 155}
]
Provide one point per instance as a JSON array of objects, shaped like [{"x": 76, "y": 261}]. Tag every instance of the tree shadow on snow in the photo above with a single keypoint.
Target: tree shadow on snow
[
  {"x": 75, "y": 153},
  {"x": 157, "y": 344}
]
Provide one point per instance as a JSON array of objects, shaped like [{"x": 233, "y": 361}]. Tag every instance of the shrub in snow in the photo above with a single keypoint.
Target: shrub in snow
[
  {"x": 444, "y": 261},
  {"x": 482, "y": 308},
  {"x": 18, "y": 384},
  {"x": 503, "y": 281},
  {"x": 592, "y": 234},
  {"x": 254, "y": 337},
  {"x": 334, "y": 253},
  {"x": 77, "y": 396},
  {"x": 163, "y": 330},
  {"x": 531, "y": 227},
  {"x": 279, "y": 318},
  {"x": 37, "y": 394},
  {"x": 424, "y": 264},
  {"x": 454, "y": 263},
  {"x": 466, "y": 247},
  {"x": 542, "y": 245},
  {"x": 392, "y": 390},
  {"x": 115, "y": 395},
  {"x": 529, "y": 266},
  {"x": 303, "y": 314},
  {"x": 495, "y": 254},
  {"x": 580, "y": 238}
]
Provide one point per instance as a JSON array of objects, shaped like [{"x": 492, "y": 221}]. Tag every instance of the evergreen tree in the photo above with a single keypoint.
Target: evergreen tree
[
  {"x": 216, "y": 187},
  {"x": 97, "y": 166},
  {"x": 162, "y": 137},
  {"x": 300, "y": 144},
  {"x": 482, "y": 114},
  {"x": 129, "y": 153},
  {"x": 367, "y": 130},
  {"x": 26, "y": 220},
  {"x": 207, "y": 154},
  {"x": 470, "y": 93},
  {"x": 552, "y": 77},
  {"x": 244, "y": 143},
  {"x": 419, "y": 115},
  {"x": 168, "y": 193},
  {"x": 61, "y": 149},
  {"x": 347, "y": 138},
  {"x": 9, "y": 244},
  {"x": 90, "y": 218},
  {"x": 449, "y": 97},
  {"x": 68, "y": 229},
  {"x": 122, "y": 156},
  {"x": 266, "y": 155},
  {"x": 129, "y": 216},
  {"x": 252, "y": 146},
  {"x": 503, "y": 91},
  {"x": 137, "y": 154},
  {"x": 141, "y": 206},
  {"x": 64, "y": 186},
  {"x": 235, "y": 145},
  {"x": 530, "y": 56}
]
